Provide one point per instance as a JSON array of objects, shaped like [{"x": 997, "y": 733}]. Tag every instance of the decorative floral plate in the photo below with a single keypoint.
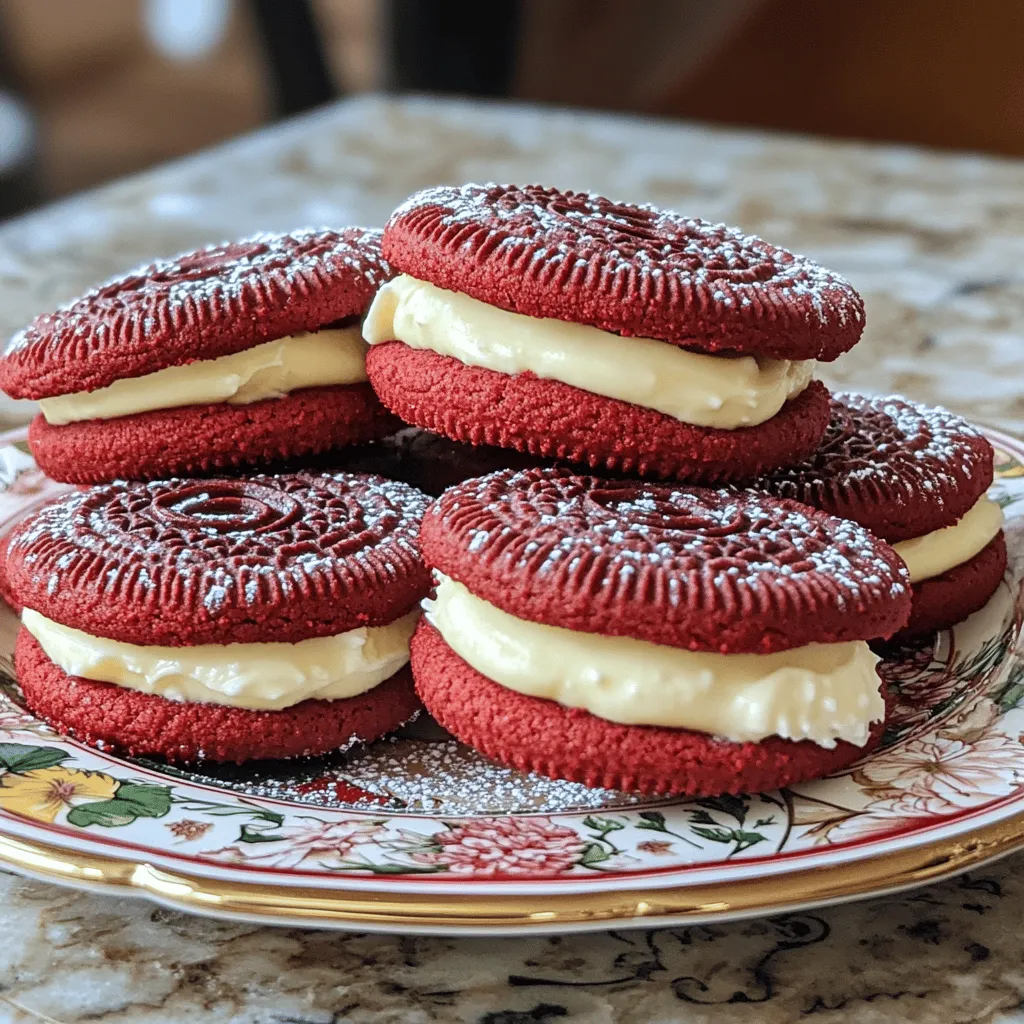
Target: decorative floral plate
[{"x": 419, "y": 834}]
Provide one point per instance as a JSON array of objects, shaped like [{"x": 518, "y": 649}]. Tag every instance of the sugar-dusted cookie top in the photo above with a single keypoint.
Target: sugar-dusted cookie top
[
  {"x": 688, "y": 567},
  {"x": 628, "y": 269},
  {"x": 183, "y": 562},
  {"x": 900, "y": 468},
  {"x": 200, "y": 305}
]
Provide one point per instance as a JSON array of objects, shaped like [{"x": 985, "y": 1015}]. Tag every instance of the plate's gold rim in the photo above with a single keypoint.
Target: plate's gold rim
[{"x": 898, "y": 869}]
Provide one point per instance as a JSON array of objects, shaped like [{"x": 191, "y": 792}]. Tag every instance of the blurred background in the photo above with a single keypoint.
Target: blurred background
[{"x": 93, "y": 89}]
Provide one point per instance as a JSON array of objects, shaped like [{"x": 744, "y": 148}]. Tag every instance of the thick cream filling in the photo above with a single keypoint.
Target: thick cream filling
[
  {"x": 821, "y": 692},
  {"x": 941, "y": 550},
  {"x": 258, "y": 676},
  {"x": 336, "y": 355},
  {"x": 703, "y": 390}
]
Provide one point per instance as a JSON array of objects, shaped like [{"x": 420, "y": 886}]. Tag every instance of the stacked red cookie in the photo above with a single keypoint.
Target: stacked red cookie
[
  {"x": 618, "y": 336},
  {"x": 917, "y": 477},
  {"x": 228, "y": 356},
  {"x": 653, "y": 638},
  {"x": 221, "y": 619}
]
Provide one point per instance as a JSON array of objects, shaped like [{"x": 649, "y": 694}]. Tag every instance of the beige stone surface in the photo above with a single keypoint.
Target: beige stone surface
[{"x": 936, "y": 244}]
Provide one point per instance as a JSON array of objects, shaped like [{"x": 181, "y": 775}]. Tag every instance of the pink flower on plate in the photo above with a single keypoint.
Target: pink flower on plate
[
  {"x": 325, "y": 842},
  {"x": 508, "y": 846},
  {"x": 187, "y": 830},
  {"x": 880, "y": 819},
  {"x": 942, "y": 771},
  {"x": 914, "y": 807},
  {"x": 14, "y": 720},
  {"x": 972, "y": 721},
  {"x": 656, "y": 846}
]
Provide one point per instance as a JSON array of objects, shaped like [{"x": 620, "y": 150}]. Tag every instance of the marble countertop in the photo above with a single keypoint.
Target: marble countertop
[
  {"x": 936, "y": 245},
  {"x": 948, "y": 953}
]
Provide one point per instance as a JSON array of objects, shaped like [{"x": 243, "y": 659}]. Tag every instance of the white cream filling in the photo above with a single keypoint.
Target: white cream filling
[
  {"x": 703, "y": 390},
  {"x": 821, "y": 692},
  {"x": 939, "y": 551},
  {"x": 335, "y": 355},
  {"x": 258, "y": 676}
]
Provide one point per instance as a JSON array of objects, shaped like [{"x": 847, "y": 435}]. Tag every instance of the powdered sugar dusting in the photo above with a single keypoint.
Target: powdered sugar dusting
[
  {"x": 886, "y": 455},
  {"x": 676, "y": 551},
  {"x": 222, "y": 548},
  {"x": 418, "y": 775},
  {"x": 680, "y": 528},
  {"x": 197, "y": 305},
  {"x": 662, "y": 256}
]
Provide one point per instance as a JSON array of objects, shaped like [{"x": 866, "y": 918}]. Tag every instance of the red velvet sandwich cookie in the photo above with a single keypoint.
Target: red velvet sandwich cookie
[
  {"x": 622, "y": 337},
  {"x": 653, "y": 638},
  {"x": 221, "y": 619},
  {"x": 917, "y": 477},
  {"x": 229, "y": 356}
]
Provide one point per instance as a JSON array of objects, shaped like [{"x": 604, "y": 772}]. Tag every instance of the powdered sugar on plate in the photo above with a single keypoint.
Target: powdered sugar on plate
[{"x": 422, "y": 770}]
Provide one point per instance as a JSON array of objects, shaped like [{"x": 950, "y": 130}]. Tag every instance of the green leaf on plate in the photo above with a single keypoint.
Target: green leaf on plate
[
  {"x": 745, "y": 840},
  {"x": 132, "y": 800},
  {"x": 106, "y": 813},
  {"x": 701, "y": 818},
  {"x": 653, "y": 820},
  {"x": 250, "y": 835},
  {"x": 148, "y": 800},
  {"x": 21, "y": 757},
  {"x": 731, "y": 805},
  {"x": 602, "y": 824},
  {"x": 716, "y": 835},
  {"x": 594, "y": 853}
]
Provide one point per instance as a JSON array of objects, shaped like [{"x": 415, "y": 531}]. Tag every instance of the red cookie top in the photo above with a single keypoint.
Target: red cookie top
[
  {"x": 689, "y": 567},
  {"x": 897, "y": 467},
  {"x": 631, "y": 270},
  {"x": 183, "y": 562},
  {"x": 200, "y": 305}
]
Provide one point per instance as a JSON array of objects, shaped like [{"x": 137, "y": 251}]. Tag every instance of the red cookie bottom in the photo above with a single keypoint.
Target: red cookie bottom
[
  {"x": 945, "y": 600},
  {"x": 550, "y": 419},
  {"x": 196, "y": 439},
  {"x": 536, "y": 735},
  {"x": 141, "y": 724}
]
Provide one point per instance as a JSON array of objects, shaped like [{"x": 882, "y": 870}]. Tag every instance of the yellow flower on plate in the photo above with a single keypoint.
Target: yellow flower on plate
[
  {"x": 43, "y": 793},
  {"x": 1007, "y": 465}
]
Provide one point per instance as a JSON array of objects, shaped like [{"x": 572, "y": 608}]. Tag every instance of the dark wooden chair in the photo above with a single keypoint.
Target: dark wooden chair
[{"x": 465, "y": 47}]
